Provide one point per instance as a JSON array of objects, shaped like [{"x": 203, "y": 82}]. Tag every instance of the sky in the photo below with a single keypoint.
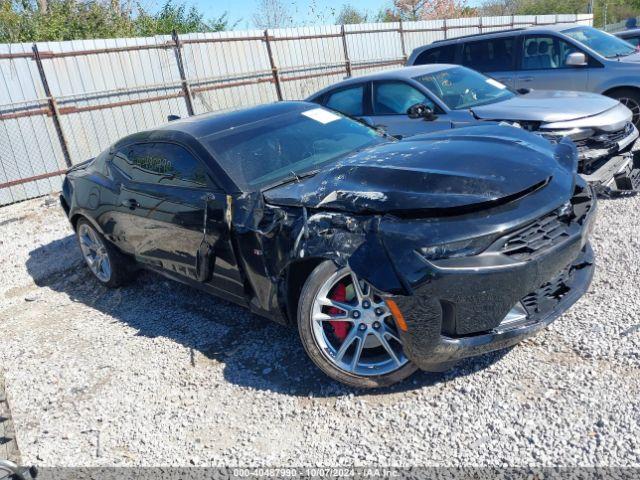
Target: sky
[{"x": 302, "y": 11}]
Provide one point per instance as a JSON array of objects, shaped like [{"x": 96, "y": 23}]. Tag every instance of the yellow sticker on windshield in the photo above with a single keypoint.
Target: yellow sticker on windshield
[
  {"x": 321, "y": 115},
  {"x": 496, "y": 83}
]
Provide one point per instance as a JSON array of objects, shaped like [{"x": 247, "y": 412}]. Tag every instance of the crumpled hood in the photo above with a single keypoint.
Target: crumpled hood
[
  {"x": 455, "y": 169},
  {"x": 546, "y": 106}
]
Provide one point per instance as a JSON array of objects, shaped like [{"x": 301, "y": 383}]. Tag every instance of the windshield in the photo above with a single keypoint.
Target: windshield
[
  {"x": 606, "y": 45},
  {"x": 460, "y": 88},
  {"x": 274, "y": 149}
]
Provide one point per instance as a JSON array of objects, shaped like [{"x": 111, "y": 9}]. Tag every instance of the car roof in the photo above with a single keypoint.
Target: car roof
[
  {"x": 404, "y": 73},
  {"x": 199, "y": 126},
  {"x": 558, "y": 27},
  {"x": 630, "y": 33}
]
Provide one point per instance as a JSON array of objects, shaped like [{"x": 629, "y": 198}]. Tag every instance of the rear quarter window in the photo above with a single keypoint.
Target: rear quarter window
[
  {"x": 492, "y": 55},
  {"x": 444, "y": 54}
]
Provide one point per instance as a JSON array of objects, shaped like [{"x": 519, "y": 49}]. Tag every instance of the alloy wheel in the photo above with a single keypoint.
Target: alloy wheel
[
  {"x": 94, "y": 252},
  {"x": 354, "y": 328},
  {"x": 633, "y": 105}
]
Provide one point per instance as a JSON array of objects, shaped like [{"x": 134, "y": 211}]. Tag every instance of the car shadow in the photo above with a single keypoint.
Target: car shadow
[{"x": 256, "y": 352}]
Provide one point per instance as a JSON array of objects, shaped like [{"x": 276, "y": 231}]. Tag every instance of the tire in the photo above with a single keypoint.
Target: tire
[
  {"x": 118, "y": 269},
  {"x": 630, "y": 98},
  {"x": 324, "y": 347}
]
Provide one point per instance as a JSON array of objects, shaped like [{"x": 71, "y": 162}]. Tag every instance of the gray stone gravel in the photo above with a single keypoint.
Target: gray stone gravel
[{"x": 158, "y": 374}]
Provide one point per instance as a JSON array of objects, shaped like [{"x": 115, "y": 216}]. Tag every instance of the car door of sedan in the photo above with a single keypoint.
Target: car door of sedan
[{"x": 172, "y": 214}]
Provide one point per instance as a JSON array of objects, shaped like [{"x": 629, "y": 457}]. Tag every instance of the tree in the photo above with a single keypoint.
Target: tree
[
  {"x": 176, "y": 16},
  {"x": 42, "y": 20},
  {"x": 430, "y": 9},
  {"x": 272, "y": 14},
  {"x": 349, "y": 15}
]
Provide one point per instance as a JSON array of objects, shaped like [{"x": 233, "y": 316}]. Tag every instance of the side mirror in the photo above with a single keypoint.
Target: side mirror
[
  {"x": 576, "y": 59},
  {"x": 172, "y": 118},
  {"x": 420, "y": 110}
]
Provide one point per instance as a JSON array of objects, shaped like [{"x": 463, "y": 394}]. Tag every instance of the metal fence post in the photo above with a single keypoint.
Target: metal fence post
[
  {"x": 444, "y": 27},
  {"x": 53, "y": 107},
  {"x": 183, "y": 77},
  {"x": 402, "y": 45},
  {"x": 347, "y": 62},
  {"x": 274, "y": 68}
]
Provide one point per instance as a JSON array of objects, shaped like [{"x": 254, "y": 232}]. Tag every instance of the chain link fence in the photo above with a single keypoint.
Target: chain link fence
[{"x": 63, "y": 102}]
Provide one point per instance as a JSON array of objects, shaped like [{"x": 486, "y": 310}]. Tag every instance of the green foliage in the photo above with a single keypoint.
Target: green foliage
[
  {"x": 31, "y": 21},
  {"x": 178, "y": 17},
  {"x": 350, "y": 15},
  {"x": 605, "y": 11}
]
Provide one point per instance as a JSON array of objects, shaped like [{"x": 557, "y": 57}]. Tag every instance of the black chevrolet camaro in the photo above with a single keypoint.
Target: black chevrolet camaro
[{"x": 387, "y": 255}]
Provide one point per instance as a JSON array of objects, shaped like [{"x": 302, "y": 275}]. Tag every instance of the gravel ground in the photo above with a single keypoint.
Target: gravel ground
[{"x": 158, "y": 374}]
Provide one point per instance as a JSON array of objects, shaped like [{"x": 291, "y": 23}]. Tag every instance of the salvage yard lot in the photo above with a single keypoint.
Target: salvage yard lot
[{"x": 156, "y": 373}]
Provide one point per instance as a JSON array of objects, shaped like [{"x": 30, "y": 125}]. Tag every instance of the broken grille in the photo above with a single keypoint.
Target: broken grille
[
  {"x": 549, "y": 230},
  {"x": 544, "y": 233},
  {"x": 605, "y": 140},
  {"x": 548, "y": 294}
]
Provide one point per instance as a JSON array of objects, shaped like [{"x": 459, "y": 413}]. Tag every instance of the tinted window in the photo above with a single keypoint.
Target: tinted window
[
  {"x": 273, "y": 149},
  {"x": 396, "y": 98},
  {"x": 348, "y": 100},
  {"x": 161, "y": 163},
  {"x": 546, "y": 52},
  {"x": 605, "y": 44},
  {"x": 461, "y": 88},
  {"x": 489, "y": 55},
  {"x": 443, "y": 54}
]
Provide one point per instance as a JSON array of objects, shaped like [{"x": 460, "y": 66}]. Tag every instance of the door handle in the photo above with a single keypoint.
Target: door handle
[
  {"x": 132, "y": 203},
  {"x": 527, "y": 79}
]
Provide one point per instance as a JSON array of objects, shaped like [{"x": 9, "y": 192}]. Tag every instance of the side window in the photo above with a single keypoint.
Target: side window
[
  {"x": 396, "y": 97},
  {"x": 162, "y": 164},
  {"x": 545, "y": 52},
  {"x": 444, "y": 54},
  {"x": 635, "y": 41},
  {"x": 347, "y": 100},
  {"x": 494, "y": 55}
]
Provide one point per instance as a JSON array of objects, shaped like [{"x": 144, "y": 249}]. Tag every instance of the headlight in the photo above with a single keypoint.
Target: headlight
[
  {"x": 462, "y": 248},
  {"x": 573, "y": 134}
]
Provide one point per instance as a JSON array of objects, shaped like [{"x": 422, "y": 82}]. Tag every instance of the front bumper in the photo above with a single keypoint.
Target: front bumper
[
  {"x": 611, "y": 162},
  {"x": 620, "y": 173},
  {"x": 465, "y": 308}
]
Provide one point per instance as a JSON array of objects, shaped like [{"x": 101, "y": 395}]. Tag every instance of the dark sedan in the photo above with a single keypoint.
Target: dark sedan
[{"x": 387, "y": 255}]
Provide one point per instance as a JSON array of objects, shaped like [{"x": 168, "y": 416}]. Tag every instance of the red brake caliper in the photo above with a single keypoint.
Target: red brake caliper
[{"x": 340, "y": 327}]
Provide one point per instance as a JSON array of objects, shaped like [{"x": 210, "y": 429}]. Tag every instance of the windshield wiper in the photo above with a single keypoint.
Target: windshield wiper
[
  {"x": 293, "y": 177},
  {"x": 621, "y": 55}
]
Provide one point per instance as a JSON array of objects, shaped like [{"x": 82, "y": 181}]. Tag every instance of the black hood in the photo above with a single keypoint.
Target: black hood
[{"x": 470, "y": 168}]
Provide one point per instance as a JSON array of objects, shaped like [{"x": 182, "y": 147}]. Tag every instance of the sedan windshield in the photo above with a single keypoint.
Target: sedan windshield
[
  {"x": 272, "y": 150},
  {"x": 606, "y": 45},
  {"x": 460, "y": 88}
]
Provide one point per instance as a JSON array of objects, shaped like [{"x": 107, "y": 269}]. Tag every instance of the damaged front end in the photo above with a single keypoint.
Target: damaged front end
[
  {"x": 607, "y": 146},
  {"x": 474, "y": 255}
]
